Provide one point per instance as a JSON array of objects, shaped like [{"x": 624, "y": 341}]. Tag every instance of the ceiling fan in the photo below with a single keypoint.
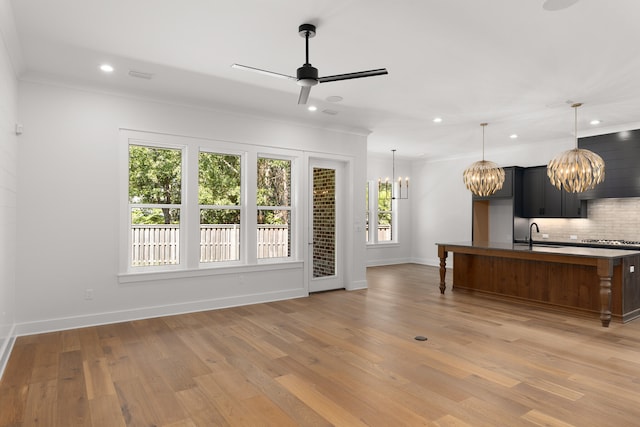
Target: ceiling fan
[{"x": 307, "y": 75}]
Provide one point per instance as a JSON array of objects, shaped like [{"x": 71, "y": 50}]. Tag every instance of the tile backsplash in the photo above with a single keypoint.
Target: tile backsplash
[{"x": 606, "y": 219}]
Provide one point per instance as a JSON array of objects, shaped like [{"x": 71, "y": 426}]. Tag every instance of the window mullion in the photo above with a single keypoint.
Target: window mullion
[
  {"x": 249, "y": 219},
  {"x": 191, "y": 225}
]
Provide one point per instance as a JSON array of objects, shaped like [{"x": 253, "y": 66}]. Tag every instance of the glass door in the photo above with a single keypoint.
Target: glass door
[{"x": 326, "y": 221}]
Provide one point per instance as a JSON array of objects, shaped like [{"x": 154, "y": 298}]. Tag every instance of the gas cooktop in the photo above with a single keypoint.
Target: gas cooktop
[{"x": 611, "y": 242}]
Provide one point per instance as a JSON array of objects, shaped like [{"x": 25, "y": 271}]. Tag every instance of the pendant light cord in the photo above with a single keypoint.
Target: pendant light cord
[
  {"x": 393, "y": 171},
  {"x": 483, "y": 126},
  {"x": 575, "y": 121}
]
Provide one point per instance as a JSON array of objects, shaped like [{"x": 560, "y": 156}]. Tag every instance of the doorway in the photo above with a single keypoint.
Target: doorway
[{"x": 326, "y": 224}]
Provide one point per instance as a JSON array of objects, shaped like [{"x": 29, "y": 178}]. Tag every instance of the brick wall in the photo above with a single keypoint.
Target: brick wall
[
  {"x": 607, "y": 219},
  {"x": 324, "y": 222}
]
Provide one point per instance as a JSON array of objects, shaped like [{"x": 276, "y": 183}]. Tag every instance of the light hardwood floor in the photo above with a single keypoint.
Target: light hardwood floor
[{"x": 335, "y": 358}]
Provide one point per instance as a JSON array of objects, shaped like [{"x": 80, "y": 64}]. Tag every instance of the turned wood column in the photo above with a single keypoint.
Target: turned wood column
[
  {"x": 442, "y": 254},
  {"x": 605, "y": 271}
]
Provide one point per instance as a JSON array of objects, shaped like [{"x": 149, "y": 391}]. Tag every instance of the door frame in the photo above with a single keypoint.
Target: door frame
[{"x": 342, "y": 167}]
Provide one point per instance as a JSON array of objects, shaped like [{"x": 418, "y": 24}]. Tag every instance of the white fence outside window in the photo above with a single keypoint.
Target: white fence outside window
[{"x": 160, "y": 244}]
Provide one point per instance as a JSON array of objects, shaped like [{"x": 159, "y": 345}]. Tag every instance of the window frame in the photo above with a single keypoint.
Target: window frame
[
  {"x": 189, "y": 264},
  {"x": 130, "y": 206},
  {"x": 293, "y": 253},
  {"x": 373, "y": 213},
  {"x": 241, "y": 207}
]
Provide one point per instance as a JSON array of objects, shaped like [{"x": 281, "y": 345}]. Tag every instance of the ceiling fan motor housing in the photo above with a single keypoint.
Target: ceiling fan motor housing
[
  {"x": 307, "y": 75},
  {"x": 307, "y": 30}
]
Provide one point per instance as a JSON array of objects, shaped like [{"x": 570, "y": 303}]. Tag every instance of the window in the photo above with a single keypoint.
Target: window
[
  {"x": 193, "y": 203},
  {"x": 380, "y": 215},
  {"x": 219, "y": 191},
  {"x": 155, "y": 194},
  {"x": 273, "y": 199}
]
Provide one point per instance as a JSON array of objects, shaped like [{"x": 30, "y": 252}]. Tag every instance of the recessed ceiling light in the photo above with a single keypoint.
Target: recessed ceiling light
[
  {"x": 595, "y": 122},
  {"x": 334, "y": 98},
  {"x": 513, "y": 136},
  {"x": 312, "y": 108},
  {"x": 106, "y": 68},
  {"x": 437, "y": 120}
]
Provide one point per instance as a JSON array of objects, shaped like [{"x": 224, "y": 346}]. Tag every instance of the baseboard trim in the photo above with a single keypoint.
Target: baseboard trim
[
  {"x": 65, "y": 323},
  {"x": 431, "y": 262},
  {"x": 5, "y": 350},
  {"x": 382, "y": 262},
  {"x": 358, "y": 284}
]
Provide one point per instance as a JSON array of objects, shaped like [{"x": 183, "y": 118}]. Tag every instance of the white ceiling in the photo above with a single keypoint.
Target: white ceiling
[{"x": 510, "y": 63}]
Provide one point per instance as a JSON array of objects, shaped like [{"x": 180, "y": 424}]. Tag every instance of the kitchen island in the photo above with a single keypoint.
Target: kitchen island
[{"x": 573, "y": 279}]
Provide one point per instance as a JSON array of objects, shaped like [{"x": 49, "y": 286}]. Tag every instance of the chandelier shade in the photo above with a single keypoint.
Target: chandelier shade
[
  {"x": 576, "y": 170},
  {"x": 483, "y": 178}
]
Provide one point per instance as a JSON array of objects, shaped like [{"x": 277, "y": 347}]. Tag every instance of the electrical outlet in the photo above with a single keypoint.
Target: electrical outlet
[
  {"x": 88, "y": 294},
  {"x": 573, "y": 237},
  {"x": 545, "y": 236},
  {"x": 632, "y": 269}
]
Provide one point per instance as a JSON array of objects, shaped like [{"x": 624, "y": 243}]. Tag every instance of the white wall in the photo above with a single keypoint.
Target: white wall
[
  {"x": 8, "y": 188},
  {"x": 442, "y": 205},
  {"x": 399, "y": 252},
  {"x": 69, "y": 205}
]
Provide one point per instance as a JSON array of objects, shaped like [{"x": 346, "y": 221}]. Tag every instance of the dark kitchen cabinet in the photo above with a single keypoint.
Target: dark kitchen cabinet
[
  {"x": 540, "y": 199},
  {"x": 507, "y": 187},
  {"x": 573, "y": 206},
  {"x": 620, "y": 152}
]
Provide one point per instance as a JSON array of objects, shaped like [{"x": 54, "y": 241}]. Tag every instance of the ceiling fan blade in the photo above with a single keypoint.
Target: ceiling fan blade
[
  {"x": 304, "y": 94},
  {"x": 265, "y": 72},
  {"x": 369, "y": 73}
]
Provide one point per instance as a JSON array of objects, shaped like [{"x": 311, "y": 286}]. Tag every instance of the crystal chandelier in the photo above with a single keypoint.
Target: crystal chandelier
[
  {"x": 483, "y": 178},
  {"x": 576, "y": 170}
]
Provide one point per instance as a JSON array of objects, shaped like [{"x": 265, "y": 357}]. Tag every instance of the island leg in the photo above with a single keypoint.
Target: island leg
[
  {"x": 605, "y": 271},
  {"x": 442, "y": 254}
]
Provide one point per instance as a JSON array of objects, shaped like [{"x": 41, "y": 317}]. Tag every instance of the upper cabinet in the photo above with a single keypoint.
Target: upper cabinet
[
  {"x": 507, "y": 188},
  {"x": 540, "y": 199},
  {"x": 620, "y": 152}
]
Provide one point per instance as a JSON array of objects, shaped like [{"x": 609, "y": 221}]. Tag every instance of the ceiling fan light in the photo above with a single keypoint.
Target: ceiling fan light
[{"x": 307, "y": 82}]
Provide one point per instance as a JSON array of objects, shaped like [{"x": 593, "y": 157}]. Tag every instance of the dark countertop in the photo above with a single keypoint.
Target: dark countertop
[
  {"x": 580, "y": 244},
  {"x": 579, "y": 251}
]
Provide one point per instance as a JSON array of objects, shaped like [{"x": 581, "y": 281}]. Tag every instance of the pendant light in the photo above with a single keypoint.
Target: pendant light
[
  {"x": 483, "y": 178},
  {"x": 576, "y": 170},
  {"x": 385, "y": 187}
]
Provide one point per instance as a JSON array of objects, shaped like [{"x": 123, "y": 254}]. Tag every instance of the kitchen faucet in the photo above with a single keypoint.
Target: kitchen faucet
[{"x": 530, "y": 234}]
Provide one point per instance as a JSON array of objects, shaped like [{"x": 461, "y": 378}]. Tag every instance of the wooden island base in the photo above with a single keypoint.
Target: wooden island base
[{"x": 588, "y": 281}]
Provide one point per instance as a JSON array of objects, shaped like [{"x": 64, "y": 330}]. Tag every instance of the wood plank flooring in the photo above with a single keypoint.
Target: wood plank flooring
[{"x": 336, "y": 358}]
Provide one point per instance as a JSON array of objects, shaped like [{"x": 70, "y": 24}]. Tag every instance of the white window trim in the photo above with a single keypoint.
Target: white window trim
[
  {"x": 296, "y": 235},
  {"x": 189, "y": 265},
  {"x": 182, "y": 256},
  {"x": 373, "y": 218},
  {"x": 244, "y": 224}
]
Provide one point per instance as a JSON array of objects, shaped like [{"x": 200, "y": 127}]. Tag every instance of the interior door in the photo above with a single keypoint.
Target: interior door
[{"x": 326, "y": 225}]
